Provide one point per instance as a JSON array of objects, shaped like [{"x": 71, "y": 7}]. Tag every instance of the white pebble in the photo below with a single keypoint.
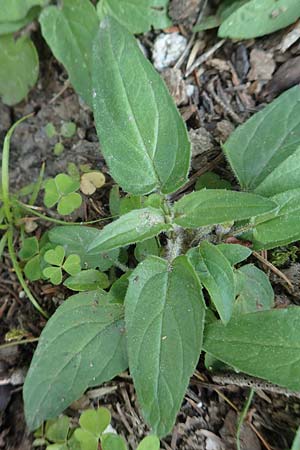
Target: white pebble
[{"x": 167, "y": 49}]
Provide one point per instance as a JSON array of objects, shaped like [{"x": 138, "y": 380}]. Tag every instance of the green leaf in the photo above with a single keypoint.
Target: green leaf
[
  {"x": 50, "y": 130},
  {"x": 256, "y": 18},
  {"x": 253, "y": 290},
  {"x": 114, "y": 200},
  {"x": 136, "y": 15},
  {"x": 30, "y": 247},
  {"x": 69, "y": 31},
  {"x": 95, "y": 421},
  {"x": 52, "y": 195},
  {"x": 55, "y": 256},
  {"x": 207, "y": 23},
  {"x": 87, "y": 440},
  {"x": 16, "y": 25},
  {"x": 69, "y": 203},
  {"x": 146, "y": 248},
  {"x": 216, "y": 274},
  {"x": 76, "y": 240},
  {"x": 57, "y": 430},
  {"x": 296, "y": 442},
  {"x": 213, "y": 206},
  {"x": 32, "y": 268},
  {"x": 66, "y": 184},
  {"x": 54, "y": 274},
  {"x": 284, "y": 227},
  {"x": 64, "y": 365},
  {"x": 264, "y": 153},
  {"x": 141, "y": 157},
  {"x": 87, "y": 280},
  {"x": 119, "y": 288},
  {"x": 72, "y": 265},
  {"x": 129, "y": 203},
  {"x": 58, "y": 149},
  {"x": 68, "y": 129},
  {"x": 19, "y": 68},
  {"x": 135, "y": 226},
  {"x": 211, "y": 180},
  {"x": 110, "y": 441},
  {"x": 235, "y": 253},
  {"x": 149, "y": 443},
  {"x": 14, "y": 10},
  {"x": 264, "y": 344},
  {"x": 164, "y": 313}
]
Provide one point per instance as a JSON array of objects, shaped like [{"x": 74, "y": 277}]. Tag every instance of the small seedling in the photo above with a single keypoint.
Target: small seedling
[{"x": 94, "y": 428}]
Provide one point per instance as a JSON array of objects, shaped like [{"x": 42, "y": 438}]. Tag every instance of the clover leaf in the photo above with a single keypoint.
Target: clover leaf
[
  {"x": 61, "y": 190},
  {"x": 55, "y": 257}
]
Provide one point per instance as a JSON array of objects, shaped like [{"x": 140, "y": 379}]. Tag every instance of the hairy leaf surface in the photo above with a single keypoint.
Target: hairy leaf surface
[
  {"x": 264, "y": 344},
  {"x": 135, "y": 226},
  {"x": 69, "y": 31},
  {"x": 213, "y": 206},
  {"x": 264, "y": 152},
  {"x": 164, "y": 312},
  {"x": 284, "y": 227},
  {"x": 142, "y": 135},
  {"x": 136, "y": 15},
  {"x": 235, "y": 253},
  {"x": 216, "y": 274},
  {"x": 82, "y": 345}
]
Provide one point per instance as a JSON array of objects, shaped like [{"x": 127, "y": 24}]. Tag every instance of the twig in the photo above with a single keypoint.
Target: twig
[
  {"x": 220, "y": 102},
  {"x": 273, "y": 268},
  {"x": 204, "y": 57},
  {"x": 192, "y": 39},
  {"x": 255, "y": 383}
]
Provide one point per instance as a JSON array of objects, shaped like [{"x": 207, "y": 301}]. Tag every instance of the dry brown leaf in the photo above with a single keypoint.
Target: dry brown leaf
[{"x": 91, "y": 181}]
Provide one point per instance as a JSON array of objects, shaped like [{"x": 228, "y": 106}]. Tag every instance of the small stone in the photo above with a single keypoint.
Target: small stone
[{"x": 167, "y": 49}]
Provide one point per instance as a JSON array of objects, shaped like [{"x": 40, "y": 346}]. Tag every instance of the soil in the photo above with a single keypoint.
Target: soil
[{"x": 225, "y": 90}]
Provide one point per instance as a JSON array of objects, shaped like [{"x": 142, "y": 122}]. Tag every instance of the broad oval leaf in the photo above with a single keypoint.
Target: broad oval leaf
[
  {"x": 284, "y": 227},
  {"x": 264, "y": 152},
  {"x": 82, "y": 345},
  {"x": 216, "y": 274},
  {"x": 15, "y": 10},
  {"x": 19, "y": 68},
  {"x": 213, "y": 206},
  {"x": 256, "y": 18},
  {"x": 76, "y": 239},
  {"x": 263, "y": 344},
  {"x": 136, "y": 15},
  {"x": 253, "y": 290},
  {"x": 135, "y": 226},
  {"x": 142, "y": 135},
  {"x": 164, "y": 311},
  {"x": 69, "y": 31}
]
